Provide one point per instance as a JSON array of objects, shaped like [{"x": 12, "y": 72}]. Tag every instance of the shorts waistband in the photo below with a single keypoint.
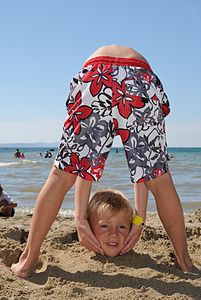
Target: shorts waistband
[{"x": 119, "y": 61}]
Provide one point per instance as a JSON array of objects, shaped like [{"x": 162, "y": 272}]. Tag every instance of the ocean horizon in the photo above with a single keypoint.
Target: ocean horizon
[{"x": 55, "y": 144}]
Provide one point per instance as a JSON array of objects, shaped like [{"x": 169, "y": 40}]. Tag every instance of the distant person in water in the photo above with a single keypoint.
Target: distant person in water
[
  {"x": 169, "y": 156},
  {"x": 48, "y": 154},
  {"x": 7, "y": 206},
  {"x": 17, "y": 153}
]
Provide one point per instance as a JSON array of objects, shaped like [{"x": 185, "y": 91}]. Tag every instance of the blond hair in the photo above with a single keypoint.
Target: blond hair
[{"x": 109, "y": 202}]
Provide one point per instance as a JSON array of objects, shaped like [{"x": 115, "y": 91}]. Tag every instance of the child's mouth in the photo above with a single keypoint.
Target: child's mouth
[{"x": 112, "y": 244}]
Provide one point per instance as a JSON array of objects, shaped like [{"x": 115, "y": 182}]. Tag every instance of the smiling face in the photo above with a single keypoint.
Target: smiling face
[{"x": 111, "y": 231}]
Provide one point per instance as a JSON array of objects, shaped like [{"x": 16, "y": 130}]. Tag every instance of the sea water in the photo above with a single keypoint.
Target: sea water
[{"x": 24, "y": 178}]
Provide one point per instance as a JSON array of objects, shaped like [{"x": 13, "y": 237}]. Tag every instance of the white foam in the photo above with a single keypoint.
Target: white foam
[
  {"x": 5, "y": 164},
  {"x": 26, "y": 161},
  {"x": 22, "y": 162},
  {"x": 21, "y": 211}
]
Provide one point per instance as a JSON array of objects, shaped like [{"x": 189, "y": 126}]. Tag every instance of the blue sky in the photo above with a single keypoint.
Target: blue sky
[{"x": 45, "y": 42}]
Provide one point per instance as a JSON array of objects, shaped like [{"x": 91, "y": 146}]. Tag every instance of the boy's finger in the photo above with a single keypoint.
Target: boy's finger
[
  {"x": 129, "y": 237},
  {"x": 93, "y": 247},
  {"x": 92, "y": 244},
  {"x": 129, "y": 245}
]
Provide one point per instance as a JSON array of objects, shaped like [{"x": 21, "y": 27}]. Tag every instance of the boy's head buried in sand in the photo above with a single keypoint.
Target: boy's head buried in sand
[{"x": 110, "y": 216}]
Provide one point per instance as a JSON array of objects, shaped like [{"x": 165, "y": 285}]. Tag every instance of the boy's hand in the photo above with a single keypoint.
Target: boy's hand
[
  {"x": 132, "y": 238},
  {"x": 86, "y": 236}
]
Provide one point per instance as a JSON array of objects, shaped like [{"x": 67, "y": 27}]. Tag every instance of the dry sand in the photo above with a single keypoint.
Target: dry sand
[{"x": 68, "y": 271}]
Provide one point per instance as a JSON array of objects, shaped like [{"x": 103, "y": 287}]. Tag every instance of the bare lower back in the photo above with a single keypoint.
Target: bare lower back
[{"x": 117, "y": 51}]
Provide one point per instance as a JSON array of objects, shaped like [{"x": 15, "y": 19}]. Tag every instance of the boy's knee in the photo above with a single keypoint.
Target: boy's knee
[
  {"x": 158, "y": 183},
  {"x": 62, "y": 176}
]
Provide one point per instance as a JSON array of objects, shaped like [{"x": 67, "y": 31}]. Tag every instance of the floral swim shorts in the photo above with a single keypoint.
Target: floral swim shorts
[{"x": 108, "y": 97}]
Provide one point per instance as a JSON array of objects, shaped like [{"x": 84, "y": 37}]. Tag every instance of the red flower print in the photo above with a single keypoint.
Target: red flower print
[
  {"x": 165, "y": 109},
  {"x": 125, "y": 101},
  {"x": 141, "y": 180},
  {"x": 124, "y": 133},
  {"x": 97, "y": 171},
  {"x": 116, "y": 125},
  {"x": 154, "y": 98},
  {"x": 98, "y": 77},
  {"x": 77, "y": 112},
  {"x": 79, "y": 167},
  {"x": 157, "y": 172},
  {"x": 147, "y": 77}
]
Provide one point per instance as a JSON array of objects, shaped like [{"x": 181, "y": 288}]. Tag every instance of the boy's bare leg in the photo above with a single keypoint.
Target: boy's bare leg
[
  {"x": 171, "y": 214},
  {"x": 47, "y": 206}
]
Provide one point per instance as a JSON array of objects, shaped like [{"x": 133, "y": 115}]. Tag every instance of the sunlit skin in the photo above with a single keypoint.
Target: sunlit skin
[{"x": 111, "y": 231}]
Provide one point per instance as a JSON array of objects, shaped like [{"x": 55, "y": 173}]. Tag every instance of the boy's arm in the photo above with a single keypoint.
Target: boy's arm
[
  {"x": 141, "y": 199},
  {"x": 85, "y": 235}
]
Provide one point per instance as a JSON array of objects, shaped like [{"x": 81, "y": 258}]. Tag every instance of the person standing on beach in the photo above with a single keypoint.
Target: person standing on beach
[
  {"x": 7, "y": 205},
  {"x": 116, "y": 93}
]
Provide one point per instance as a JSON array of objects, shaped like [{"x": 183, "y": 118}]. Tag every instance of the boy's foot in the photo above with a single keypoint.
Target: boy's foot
[
  {"x": 19, "y": 270},
  {"x": 193, "y": 270},
  {"x": 22, "y": 268}
]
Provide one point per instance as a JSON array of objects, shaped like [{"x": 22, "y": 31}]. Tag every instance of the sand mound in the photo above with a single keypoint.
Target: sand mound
[{"x": 67, "y": 271}]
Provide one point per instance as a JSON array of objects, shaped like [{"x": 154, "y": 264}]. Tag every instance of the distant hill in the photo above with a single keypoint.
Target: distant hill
[{"x": 28, "y": 145}]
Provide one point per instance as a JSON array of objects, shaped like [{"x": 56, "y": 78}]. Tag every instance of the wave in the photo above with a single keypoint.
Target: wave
[
  {"x": 22, "y": 162},
  {"x": 28, "y": 211}
]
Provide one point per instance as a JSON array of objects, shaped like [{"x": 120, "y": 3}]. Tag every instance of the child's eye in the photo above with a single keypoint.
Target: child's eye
[
  {"x": 104, "y": 226},
  {"x": 122, "y": 227}
]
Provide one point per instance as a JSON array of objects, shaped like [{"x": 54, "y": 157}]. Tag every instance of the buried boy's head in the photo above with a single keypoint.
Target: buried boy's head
[{"x": 110, "y": 216}]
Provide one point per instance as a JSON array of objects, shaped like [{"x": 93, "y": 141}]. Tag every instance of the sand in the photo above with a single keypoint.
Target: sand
[{"x": 67, "y": 271}]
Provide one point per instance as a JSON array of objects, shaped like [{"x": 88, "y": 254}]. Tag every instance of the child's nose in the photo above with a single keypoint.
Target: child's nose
[{"x": 113, "y": 231}]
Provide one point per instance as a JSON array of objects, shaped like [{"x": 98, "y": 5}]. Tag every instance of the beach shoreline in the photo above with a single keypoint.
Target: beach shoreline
[
  {"x": 23, "y": 179},
  {"x": 69, "y": 271}
]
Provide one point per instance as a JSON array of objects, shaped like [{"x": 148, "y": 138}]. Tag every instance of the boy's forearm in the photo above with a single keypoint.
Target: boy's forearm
[
  {"x": 82, "y": 194},
  {"x": 80, "y": 209},
  {"x": 141, "y": 199}
]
